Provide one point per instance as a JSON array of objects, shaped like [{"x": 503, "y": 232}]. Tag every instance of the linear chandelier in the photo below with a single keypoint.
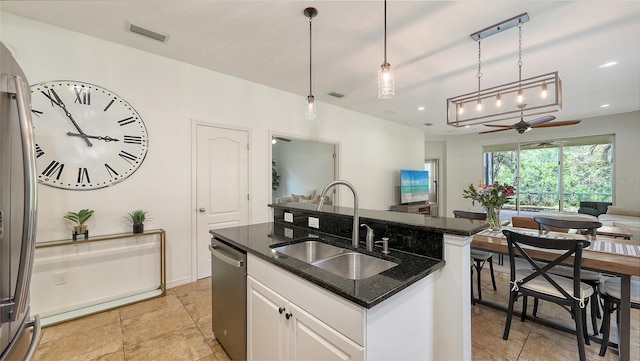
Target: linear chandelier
[{"x": 541, "y": 94}]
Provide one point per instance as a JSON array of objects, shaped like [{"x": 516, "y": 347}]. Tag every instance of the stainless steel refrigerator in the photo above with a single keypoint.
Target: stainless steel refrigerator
[{"x": 19, "y": 334}]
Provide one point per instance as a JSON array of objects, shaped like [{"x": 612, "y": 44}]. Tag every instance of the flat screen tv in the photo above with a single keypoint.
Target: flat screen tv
[{"x": 414, "y": 186}]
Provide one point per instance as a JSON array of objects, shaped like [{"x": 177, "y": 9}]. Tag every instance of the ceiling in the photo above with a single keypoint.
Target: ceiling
[{"x": 428, "y": 47}]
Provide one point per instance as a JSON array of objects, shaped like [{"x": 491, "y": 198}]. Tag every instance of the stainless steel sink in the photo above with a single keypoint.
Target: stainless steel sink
[
  {"x": 310, "y": 251},
  {"x": 354, "y": 265}
]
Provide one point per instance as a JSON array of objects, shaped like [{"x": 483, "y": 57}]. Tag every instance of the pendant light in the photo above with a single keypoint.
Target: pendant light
[
  {"x": 310, "y": 112},
  {"x": 386, "y": 81}
]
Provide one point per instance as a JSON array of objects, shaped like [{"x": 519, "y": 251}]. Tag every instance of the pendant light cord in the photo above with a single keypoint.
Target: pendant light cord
[
  {"x": 385, "y": 31},
  {"x": 310, "y": 56}
]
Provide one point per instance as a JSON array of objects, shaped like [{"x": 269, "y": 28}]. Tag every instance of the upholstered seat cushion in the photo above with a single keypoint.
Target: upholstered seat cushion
[
  {"x": 541, "y": 285},
  {"x": 611, "y": 286},
  {"x": 564, "y": 271}
]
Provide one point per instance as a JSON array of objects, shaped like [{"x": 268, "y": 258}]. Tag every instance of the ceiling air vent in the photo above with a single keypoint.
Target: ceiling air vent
[
  {"x": 148, "y": 33},
  {"x": 337, "y": 95}
]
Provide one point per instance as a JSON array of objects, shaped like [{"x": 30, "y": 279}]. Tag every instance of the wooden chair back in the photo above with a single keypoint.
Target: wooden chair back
[{"x": 529, "y": 222}]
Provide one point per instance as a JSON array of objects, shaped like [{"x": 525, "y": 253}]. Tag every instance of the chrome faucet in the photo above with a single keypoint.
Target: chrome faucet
[
  {"x": 368, "y": 237},
  {"x": 356, "y": 218}
]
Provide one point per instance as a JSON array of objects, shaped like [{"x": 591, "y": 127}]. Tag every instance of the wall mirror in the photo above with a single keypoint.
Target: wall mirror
[{"x": 301, "y": 168}]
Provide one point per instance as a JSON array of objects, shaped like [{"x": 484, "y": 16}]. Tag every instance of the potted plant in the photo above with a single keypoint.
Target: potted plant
[
  {"x": 79, "y": 218},
  {"x": 137, "y": 219}
]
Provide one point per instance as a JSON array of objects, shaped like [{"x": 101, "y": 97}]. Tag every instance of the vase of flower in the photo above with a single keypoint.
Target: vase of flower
[
  {"x": 492, "y": 197},
  {"x": 493, "y": 217}
]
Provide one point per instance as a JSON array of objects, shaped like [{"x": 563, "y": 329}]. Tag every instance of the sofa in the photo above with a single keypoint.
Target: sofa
[
  {"x": 593, "y": 208},
  {"x": 307, "y": 197},
  {"x": 624, "y": 218}
]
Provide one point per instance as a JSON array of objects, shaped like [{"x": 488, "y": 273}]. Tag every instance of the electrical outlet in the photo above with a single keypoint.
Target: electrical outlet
[
  {"x": 288, "y": 232},
  {"x": 314, "y": 222},
  {"x": 288, "y": 217},
  {"x": 60, "y": 278}
]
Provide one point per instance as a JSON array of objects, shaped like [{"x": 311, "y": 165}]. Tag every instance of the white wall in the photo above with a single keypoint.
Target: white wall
[
  {"x": 464, "y": 156},
  {"x": 168, "y": 95}
]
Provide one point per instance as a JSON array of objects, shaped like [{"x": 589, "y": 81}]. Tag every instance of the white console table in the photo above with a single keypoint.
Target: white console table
[{"x": 72, "y": 279}]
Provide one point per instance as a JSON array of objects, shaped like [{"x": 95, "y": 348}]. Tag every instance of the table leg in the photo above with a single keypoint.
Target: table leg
[{"x": 625, "y": 318}]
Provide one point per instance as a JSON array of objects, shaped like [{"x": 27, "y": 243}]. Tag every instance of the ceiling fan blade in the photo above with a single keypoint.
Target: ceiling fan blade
[
  {"x": 495, "y": 130},
  {"x": 556, "y": 124},
  {"x": 499, "y": 126},
  {"x": 546, "y": 118}
]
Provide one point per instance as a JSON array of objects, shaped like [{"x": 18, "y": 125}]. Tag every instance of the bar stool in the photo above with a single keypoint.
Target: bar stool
[{"x": 478, "y": 258}]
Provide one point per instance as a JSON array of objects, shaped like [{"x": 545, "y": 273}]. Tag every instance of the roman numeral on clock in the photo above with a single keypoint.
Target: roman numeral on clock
[
  {"x": 83, "y": 96},
  {"x": 51, "y": 94},
  {"x": 126, "y": 121},
  {"x": 39, "y": 151},
  {"x": 108, "y": 105},
  {"x": 83, "y": 175},
  {"x": 52, "y": 168},
  {"x": 127, "y": 156},
  {"x": 132, "y": 139},
  {"x": 112, "y": 172}
]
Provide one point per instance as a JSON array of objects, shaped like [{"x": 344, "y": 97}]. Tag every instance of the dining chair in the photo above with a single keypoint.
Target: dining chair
[
  {"x": 478, "y": 258},
  {"x": 610, "y": 292},
  {"x": 536, "y": 281},
  {"x": 589, "y": 277}
]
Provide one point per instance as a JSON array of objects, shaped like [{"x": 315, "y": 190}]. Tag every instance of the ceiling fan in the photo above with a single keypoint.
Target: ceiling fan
[{"x": 522, "y": 126}]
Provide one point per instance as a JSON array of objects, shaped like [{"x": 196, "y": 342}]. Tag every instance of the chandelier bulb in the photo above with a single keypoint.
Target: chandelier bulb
[
  {"x": 310, "y": 112},
  {"x": 498, "y": 100},
  {"x": 479, "y": 104},
  {"x": 520, "y": 96},
  {"x": 460, "y": 108},
  {"x": 544, "y": 92}
]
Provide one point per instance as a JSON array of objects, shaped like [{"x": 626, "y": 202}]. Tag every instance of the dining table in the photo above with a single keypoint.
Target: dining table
[{"x": 607, "y": 255}]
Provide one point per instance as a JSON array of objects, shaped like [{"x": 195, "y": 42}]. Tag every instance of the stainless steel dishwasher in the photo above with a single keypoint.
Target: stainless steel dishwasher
[{"x": 229, "y": 297}]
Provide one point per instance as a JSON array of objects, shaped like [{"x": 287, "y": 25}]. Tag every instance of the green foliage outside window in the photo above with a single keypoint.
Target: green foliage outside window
[{"x": 587, "y": 173}]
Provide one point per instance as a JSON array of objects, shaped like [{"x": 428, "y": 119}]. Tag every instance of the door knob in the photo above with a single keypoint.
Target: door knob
[{"x": 201, "y": 210}]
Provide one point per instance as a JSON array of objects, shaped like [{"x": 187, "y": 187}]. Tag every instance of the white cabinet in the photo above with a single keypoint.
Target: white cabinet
[
  {"x": 278, "y": 329},
  {"x": 266, "y": 329}
]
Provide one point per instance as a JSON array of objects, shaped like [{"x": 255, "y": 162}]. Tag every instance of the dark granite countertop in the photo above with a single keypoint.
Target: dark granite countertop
[
  {"x": 260, "y": 239},
  {"x": 457, "y": 226}
]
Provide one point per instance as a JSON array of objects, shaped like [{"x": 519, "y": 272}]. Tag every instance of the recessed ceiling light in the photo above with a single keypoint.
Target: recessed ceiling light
[
  {"x": 420, "y": 108},
  {"x": 608, "y": 64},
  {"x": 467, "y": 126},
  {"x": 604, "y": 105}
]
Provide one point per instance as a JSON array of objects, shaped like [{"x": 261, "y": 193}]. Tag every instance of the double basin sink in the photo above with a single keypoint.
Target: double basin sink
[{"x": 337, "y": 260}]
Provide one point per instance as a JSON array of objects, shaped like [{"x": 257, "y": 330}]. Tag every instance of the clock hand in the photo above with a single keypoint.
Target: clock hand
[
  {"x": 59, "y": 103},
  {"x": 85, "y": 136}
]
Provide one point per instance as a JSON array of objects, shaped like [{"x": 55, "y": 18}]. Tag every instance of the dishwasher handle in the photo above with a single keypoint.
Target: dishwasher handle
[{"x": 224, "y": 258}]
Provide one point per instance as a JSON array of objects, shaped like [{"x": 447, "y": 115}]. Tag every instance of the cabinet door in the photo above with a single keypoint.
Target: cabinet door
[
  {"x": 311, "y": 339},
  {"x": 266, "y": 326}
]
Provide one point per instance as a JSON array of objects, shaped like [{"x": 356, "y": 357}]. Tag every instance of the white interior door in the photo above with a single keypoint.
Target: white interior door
[{"x": 222, "y": 185}]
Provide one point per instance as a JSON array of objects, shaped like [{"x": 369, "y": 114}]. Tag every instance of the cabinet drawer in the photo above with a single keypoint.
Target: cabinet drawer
[{"x": 342, "y": 315}]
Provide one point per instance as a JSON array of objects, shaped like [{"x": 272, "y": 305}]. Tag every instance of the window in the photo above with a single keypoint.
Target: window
[{"x": 554, "y": 174}]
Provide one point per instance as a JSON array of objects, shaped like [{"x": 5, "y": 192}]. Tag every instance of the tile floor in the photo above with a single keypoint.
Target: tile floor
[
  {"x": 174, "y": 327},
  {"x": 178, "y": 327}
]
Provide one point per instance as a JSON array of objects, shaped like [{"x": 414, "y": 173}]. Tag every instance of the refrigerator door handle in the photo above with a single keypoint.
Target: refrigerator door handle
[
  {"x": 224, "y": 258},
  {"x": 21, "y": 301},
  {"x": 35, "y": 338}
]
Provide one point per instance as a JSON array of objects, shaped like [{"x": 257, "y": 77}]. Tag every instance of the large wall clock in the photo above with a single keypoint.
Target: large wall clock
[{"x": 87, "y": 137}]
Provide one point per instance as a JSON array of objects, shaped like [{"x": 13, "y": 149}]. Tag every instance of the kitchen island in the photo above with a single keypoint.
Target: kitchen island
[{"x": 419, "y": 309}]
